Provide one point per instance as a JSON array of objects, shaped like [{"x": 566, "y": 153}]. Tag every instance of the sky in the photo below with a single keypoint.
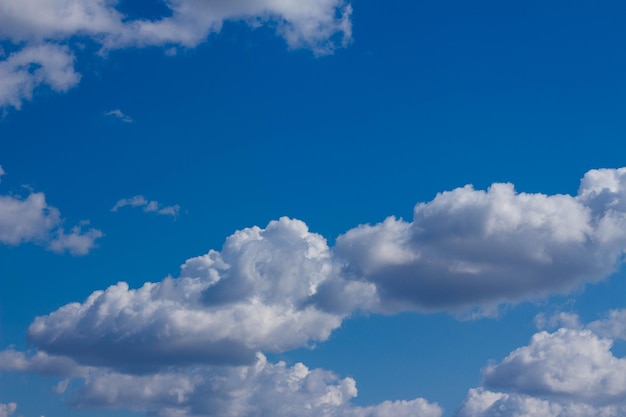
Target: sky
[{"x": 305, "y": 208}]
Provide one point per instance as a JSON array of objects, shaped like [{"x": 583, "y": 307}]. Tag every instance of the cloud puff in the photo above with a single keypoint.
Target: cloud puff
[
  {"x": 33, "y": 220},
  {"x": 469, "y": 248},
  {"x": 567, "y": 373},
  {"x": 254, "y": 295},
  {"x": 484, "y": 403},
  {"x": 118, "y": 114},
  {"x": 567, "y": 364},
  {"x": 7, "y": 409},
  {"x": 148, "y": 206},
  {"x": 33, "y": 66}
]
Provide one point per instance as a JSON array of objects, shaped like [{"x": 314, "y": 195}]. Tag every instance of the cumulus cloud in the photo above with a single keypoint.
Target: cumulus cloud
[
  {"x": 7, "y": 409},
  {"x": 567, "y": 364},
  {"x": 33, "y": 66},
  {"x": 484, "y": 403},
  {"x": 31, "y": 219},
  {"x": 256, "y": 294},
  {"x": 258, "y": 389},
  {"x": 36, "y": 27},
  {"x": 151, "y": 206},
  {"x": 469, "y": 248},
  {"x": 567, "y": 373},
  {"x": 118, "y": 114},
  {"x": 283, "y": 287}
]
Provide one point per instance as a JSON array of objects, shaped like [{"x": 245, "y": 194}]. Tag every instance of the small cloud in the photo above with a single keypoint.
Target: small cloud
[
  {"x": 120, "y": 115},
  {"x": 1, "y": 172},
  {"x": 151, "y": 206}
]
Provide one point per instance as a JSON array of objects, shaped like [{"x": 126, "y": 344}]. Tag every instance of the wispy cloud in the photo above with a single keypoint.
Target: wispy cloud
[
  {"x": 151, "y": 206},
  {"x": 117, "y": 113}
]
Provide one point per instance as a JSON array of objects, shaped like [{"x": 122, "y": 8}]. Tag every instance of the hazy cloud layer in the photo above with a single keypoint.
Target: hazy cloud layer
[
  {"x": 151, "y": 206},
  {"x": 38, "y": 28},
  {"x": 31, "y": 219}
]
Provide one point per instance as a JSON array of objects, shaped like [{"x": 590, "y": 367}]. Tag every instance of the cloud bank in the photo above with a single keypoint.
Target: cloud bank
[
  {"x": 192, "y": 345},
  {"x": 32, "y": 220},
  {"x": 43, "y": 30}
]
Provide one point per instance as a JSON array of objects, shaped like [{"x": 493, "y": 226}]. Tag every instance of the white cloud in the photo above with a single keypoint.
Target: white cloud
[
  {"x": 32, "y": 220},
  {"x": 148, "y": 206},
  {"x": 7, "y": 409},
  {"x": 312, "y": 24},
  {"x": 39, "y": 363},
  {"x": 613, "y": 326},
  {"x": 117, "y": 113},
  {"x": 554, "y": 321},
  {"x": 469, "y": 248},
  {"x": 567, "y": 364},
  {"x": 282, "y": 287},
  {"x": 258, "y": 389},
  {"x": 257, "y": 294},
  {"x": 33, "y": 66},
  {"x": 36, "y": 26},
  {"x": 1, "y": 172},
  {"x": 484, "y": 403}
]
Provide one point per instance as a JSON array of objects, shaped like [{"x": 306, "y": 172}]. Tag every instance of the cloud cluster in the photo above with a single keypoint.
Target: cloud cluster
[
  {"x": 151, "y": 206},
  {"x": 42, "y": 29},
  {"x": 31, "y": 219},
  {"x": 256, "y": 294},
  {"x": 191, "y": 345}
]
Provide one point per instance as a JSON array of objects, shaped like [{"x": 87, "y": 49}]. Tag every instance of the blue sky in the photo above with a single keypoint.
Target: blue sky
[{"x": 312, "y": 208}]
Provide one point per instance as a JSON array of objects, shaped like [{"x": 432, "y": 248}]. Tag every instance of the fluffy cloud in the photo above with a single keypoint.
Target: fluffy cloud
[
  {"x": 258, "y": 389},
  {"x": 254, "y": 295},
  {"x": 40, "y": 25},
  {"x": 282, "y": 287},
  {"x": 484, "y": 403},
  {"x": 7, "y": 409},
  {"x": 469, "y": 248},
  {"x": 33, "y": 66},
  {"x": 613, "y": 326},
  {"x": 567, "y": 364},
  {"x": 261, "y": 389},
  {"x": 148, "y": 206},
  {"x": 33, "y": 220},
  {"x": 568, "y": 373}
]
